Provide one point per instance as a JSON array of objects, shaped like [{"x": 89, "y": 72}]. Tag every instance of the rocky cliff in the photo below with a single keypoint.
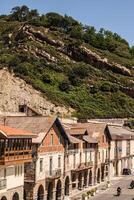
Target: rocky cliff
[{"x": 15, "y": 91}]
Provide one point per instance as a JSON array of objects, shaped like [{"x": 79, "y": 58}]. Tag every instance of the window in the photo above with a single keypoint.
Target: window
[
  {"x": 41, "y": 165},
  {"x": 52, "y": 139},
  {"x": 98, "y": 155},
  {"x": 128, "y": 148},
  {"x": 50, "y": 166},
  {"x": 21, "y": 170},
  {"x": 16, "y": 170},
  {"x": 5, "y": 173},
  {"x": 103, "y": 156},
  {"x": 67, "y": 159},
  {"x": 85, "y": 156},
  {"x": 59, "y": 161},
  {"x": 74, "y": 160},
  {"x": 80, "y": 157}
]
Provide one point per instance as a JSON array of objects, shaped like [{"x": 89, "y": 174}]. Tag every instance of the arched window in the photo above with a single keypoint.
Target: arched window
[
  {"x": 15, "y": 196},
  {"x": 67, "y": 182},
  {"x": 4, "y": 198},
  {"x": 40, "y": 194}
]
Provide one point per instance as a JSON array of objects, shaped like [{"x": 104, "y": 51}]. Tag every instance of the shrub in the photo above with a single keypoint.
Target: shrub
[
  {"x": 64, "y": 86},
  {"x": 106, "y": 87}
]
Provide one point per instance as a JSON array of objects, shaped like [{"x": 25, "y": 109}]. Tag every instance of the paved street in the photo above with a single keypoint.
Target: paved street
[{"x": 110, "y": 194}]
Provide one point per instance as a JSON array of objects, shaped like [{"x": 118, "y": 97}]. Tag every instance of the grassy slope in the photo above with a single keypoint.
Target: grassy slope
[{"x": 37, "y": 70}]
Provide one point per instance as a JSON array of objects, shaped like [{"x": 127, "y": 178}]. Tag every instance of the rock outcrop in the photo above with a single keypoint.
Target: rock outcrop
[{"x": 15, "y": 91}]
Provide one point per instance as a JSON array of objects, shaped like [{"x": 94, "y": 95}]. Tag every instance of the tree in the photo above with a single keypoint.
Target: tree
[
  {"x": 132, "y": 50},
  {"x": 20, "y": 13},
  {"x": 33, "y": 14}
]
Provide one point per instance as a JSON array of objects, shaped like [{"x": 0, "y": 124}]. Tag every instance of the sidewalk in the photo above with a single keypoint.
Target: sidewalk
[
  {"x": 78, "y": 193},
  {"x": 100, "y": 187}
]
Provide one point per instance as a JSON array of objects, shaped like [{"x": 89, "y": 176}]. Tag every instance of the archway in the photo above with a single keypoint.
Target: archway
[
  {"x": 90, "y": 177},
  {"x": 106, "y": 171},
  {"x": 85, "y": 178},
  {"x": 40, "y": 194},
  {"x": 98, "y": 176},
  {"x": 58, "y": 190},
  {"x": 80, "y": 181},
  {"x": 50, "y": 191},
  {"x": 15, "y": 196},
  {"x": 73, "y": 179},
  {"x": 24, "y": 195},
  {"x": 102, "y": 173},
  {"x": 67, "y": 183},
  {"x": 4, "y": 198}
]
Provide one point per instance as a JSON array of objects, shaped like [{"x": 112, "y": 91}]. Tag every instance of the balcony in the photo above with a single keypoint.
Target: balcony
[
  {"x": 72, "y": 151},
  {"x": 83, "y": 166},
  {"x": 107, "y": 160},
  {"x": 88, "y": 150},
  {"x": 53, "y": 174},
  {"x": 14, "y": 156},
  {"x": 3, "y": 184}
]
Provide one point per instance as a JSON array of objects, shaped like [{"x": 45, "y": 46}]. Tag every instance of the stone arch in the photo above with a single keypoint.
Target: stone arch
[
  {"x": 58, "y": 190},
  {"x": 50, "y": 191},
  {"x": 24, "y": 195},
  {"x": 80, "y": 181},
  {"x": 67, "y": 183},
  {"x": 98, "y": 175},
  {"x": 90, "y": 177},
  {"x": 73, "y": 179},
  {"x": 15, "y": 196},
  {"x": 85, "y": 178},
  {"x": 40, "y": 193},
  {"x": 106, "y": 170},
  {"x": 4, "y": 198},
  {"x": 102, "y": 173}
]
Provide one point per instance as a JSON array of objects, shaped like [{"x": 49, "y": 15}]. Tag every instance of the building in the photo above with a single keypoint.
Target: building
[
  {"x": 96, "y": 140},
  {"x": 67, "y": 158},
  {"x": 44, "y": 176},
  {"x": 80, "y": 159},
  {"x": 121, "y": 149},
  {"x": 15, "y": 151}
]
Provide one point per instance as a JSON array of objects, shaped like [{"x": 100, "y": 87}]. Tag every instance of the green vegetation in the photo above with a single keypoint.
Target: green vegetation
[{"x": 51, "y": 61}]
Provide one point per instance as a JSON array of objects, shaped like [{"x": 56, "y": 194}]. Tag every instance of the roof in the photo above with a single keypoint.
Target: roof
[
  {"x": 38, "y": 125},
  {"x": 74, "y": 140},
  {"x": 89, "y": 139},
  {"x": 33, "y": 124},
  {"x": 94, "y": 129},
  {"x": 76, "y": 131},
  {"x": 8, "y": 132},
  {"x": 117, "y": 131}
]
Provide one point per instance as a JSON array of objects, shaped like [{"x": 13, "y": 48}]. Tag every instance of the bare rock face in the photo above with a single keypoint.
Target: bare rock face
[{"x": 15, "y": 91}]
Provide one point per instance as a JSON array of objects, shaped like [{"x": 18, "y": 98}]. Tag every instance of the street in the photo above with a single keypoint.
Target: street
[{"x": 110, "y": 194}]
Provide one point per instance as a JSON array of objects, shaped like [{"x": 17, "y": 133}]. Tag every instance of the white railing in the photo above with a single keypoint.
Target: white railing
[{"x": 53, "y": 173}]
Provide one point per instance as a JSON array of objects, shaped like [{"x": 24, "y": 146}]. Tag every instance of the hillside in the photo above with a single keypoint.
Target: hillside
[{"x": 70, "y": 64}]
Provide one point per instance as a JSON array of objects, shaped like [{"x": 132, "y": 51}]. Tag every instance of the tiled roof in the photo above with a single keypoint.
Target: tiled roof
[
  {"x": 37, "y": 125},
  {"x": 74, "y": 140},
  {"x": 12, "y": 132},
  {"x": 76, "y": 131},
  {"x": 32, "y": 124},
  {"x": 119, "y": 131},
  {"x": 90, "y": 139},
  {"x": 94, "y": 129}
]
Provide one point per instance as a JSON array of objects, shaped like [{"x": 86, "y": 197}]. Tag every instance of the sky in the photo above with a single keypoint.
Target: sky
[{"x": 114, "y": 15}]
